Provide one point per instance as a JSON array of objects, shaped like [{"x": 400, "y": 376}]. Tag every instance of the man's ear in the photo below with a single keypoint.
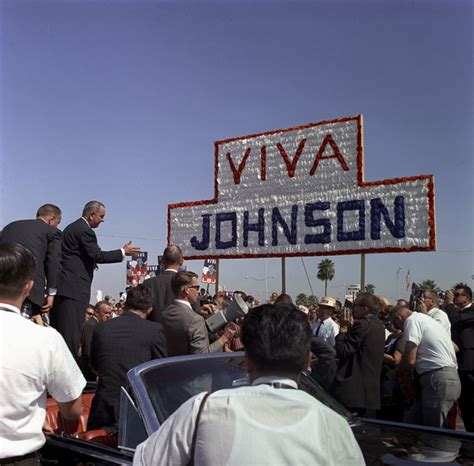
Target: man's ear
[{"x": 27, "y": 288}]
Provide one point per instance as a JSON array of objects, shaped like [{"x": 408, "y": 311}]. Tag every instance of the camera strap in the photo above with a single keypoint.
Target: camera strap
[{"x": 198, "y": 418}]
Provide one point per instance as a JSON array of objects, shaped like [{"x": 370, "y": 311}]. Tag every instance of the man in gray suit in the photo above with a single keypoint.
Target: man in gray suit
[{"x": 185, "y": 330}]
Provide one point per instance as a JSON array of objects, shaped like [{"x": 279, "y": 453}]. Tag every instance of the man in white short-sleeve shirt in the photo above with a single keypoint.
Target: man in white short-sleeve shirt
[
  {"x": 271, "y": 421},
  {"x": 430, "y": 351},
  {"x": 428, "y": 305},
  {"x": 326, "y": 328},
  {"x": 33, "y": 360}
]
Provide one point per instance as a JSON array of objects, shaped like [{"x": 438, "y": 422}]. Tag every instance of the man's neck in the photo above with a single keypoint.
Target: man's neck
[
  {"x": 140, "y": 314},
  {"x": 172, "y": 267},
  {"x": 13, "y": 302}
]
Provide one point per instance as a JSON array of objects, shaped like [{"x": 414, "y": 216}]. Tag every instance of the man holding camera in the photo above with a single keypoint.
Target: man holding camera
[
  {"x": 271, "y": 421},
  {"x": 185, "y": 330},
  {"x": 461, "y": 314}
]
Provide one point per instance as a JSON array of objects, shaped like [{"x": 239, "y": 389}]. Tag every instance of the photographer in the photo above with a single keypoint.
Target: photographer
[
  {"x": 428, "y": 303},
  {"x": 271, "y": 421},
  {"x": 185, "y": 329}
]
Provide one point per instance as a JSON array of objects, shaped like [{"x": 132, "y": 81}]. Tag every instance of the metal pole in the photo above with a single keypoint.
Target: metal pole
[
  {"x": 283, "y": 274},
  {"x": 307, "y": 276},
  {"x": 217, "y": 276},
  {"x": 266, "y": 281},
  {"x": 398, "y": 275},
  {"x": 362, "y": 272}
]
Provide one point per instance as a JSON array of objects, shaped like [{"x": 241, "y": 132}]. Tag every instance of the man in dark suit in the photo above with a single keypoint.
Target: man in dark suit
[
  {"x": 102, "y": 312},
  {"x": 80, "y": 256},
  {"x": 360, "y": 353},
  {"x": 160, "y": 286},
  {"x": 43, "y": 239},
  {"x": 117, "y": 346},
  {"x": 461, "y": 315},
  {"x": 185, "y": 329}
]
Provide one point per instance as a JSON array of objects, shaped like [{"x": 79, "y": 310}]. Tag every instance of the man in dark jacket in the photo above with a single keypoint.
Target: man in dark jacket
[
  {"x": 80, "y": 256},
  {"x": 43, "y": 239},
  {"x": 461, "y": 315},
  {"x": 360, "y": 352},
  {"x": 160, "y": 286},
  {"x": 117, "y": 346}
]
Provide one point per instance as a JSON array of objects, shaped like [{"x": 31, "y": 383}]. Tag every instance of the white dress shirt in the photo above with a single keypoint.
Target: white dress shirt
[
  {"x": 327, "y": 330},
  {"x": 33, "y": 359},
  {"x": 254, "y": 425},
  {"x": 441, "y": 317}
]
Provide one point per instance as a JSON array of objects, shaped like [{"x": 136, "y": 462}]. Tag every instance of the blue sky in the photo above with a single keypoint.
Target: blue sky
[{"x": 121, "y": 101}]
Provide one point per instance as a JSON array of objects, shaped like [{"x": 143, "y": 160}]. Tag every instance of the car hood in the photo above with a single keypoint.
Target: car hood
[{"x": 387, "y": 444}]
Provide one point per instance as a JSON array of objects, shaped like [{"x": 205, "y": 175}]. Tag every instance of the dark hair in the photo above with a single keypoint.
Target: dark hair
[
  {"x": 465, "y": 288},
  {"x": 49, "y": 210},
  {"x": 242, "y": 294},
  {"x": 180, "y": 279},
  {"x": 284, "y": 299},
  {"x": 91, "y": 207},
  {"x": 277, "y": 338},
  {"x": 139, "y": 298},
  {"x": 172, "y": 255},
  {"x": 370, "y": 301},
  {"x": 17, "y": 267},
  {"x": 101, "y": 303}
]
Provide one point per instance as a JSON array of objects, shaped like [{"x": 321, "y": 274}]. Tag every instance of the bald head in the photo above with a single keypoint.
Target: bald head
[{"x": 172, "y": 257}]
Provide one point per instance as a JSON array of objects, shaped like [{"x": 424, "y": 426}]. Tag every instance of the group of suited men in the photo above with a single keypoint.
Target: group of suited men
[{"x": 65, "y": 266}]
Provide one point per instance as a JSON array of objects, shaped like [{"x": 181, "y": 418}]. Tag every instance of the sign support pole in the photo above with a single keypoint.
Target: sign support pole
[
  {"x": 283, "y": 274},
  {"x": 362, "y": 272},
  {"x": 217, "y": 276}
]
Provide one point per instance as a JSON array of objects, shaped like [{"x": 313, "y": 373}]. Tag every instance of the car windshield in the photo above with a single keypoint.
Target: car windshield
[{"x": 169, "y": 385}]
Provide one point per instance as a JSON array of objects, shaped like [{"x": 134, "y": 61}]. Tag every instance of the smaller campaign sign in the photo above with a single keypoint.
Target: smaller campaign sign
[
  {"x": 209, "y": 272},
  {"x": 137, "y": 269}
]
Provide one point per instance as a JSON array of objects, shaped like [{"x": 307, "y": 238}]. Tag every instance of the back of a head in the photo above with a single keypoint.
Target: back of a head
[
  {"x": 284, "y": 299},
  {"x": 172, "y": 255},
  {"x": 48, "y": 210},
  {"x": 139, "y": 298},
  {"x": 17, "y": 267},
  {"x": 277, "y": 338}
]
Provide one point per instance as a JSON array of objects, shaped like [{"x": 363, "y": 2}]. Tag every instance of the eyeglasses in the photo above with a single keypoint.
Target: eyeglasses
[
  {"x": 196, "y": 287},
  {"x": 459, "y": 294}
]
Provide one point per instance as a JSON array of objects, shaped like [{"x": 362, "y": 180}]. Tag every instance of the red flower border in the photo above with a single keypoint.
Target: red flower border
[{"x": 361, "y": 183}]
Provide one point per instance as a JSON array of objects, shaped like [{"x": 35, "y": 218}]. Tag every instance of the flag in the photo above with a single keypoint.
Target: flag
[{"x": 408, "y": 279}]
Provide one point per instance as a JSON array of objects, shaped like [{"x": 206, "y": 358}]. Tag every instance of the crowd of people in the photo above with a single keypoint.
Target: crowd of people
[{"x": 410, "y": 362}]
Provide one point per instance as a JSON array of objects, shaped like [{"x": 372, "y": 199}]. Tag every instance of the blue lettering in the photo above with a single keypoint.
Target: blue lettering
[
  {"x": 204, "y": 243},
  {"x": 277, "y": 218},
  {"x": 377, "y": 209},
  {"x": 226, "y": 217},
  {"x": 309, "y": 221},
  {"x": 357, "y": 235},
  {"x": 258, "y": 227}
]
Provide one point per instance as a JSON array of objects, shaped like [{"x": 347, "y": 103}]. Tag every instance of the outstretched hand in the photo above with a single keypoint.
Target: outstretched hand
[{"x": 131, "y": 250}]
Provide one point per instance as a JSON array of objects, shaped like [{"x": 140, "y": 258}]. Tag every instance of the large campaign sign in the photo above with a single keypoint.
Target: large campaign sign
[{"x": 301, "y": 191}]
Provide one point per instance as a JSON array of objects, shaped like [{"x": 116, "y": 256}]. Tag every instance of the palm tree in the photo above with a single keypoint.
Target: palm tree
[
  {"x": 369, "y": 288},
  {"x": 326, "y": 272},
  {"x": 429, "y": 285},
  {"x": 301, "y": 300},
  {"x": 312, "y": 300}
]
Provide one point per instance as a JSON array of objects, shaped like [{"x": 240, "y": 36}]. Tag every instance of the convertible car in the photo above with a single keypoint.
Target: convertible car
[{"x": 156, "y": 389}]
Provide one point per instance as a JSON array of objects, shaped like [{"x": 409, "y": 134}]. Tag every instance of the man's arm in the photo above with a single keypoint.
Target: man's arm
[
  {"x": 92, "y": 249},
  {"x": 409, "y": 355},
  {"x": 71, "y": 410},
  {"x": 159, "y": 348},
  {"x": 348, "y": 343},
  {"x": 52, "y": 267}
]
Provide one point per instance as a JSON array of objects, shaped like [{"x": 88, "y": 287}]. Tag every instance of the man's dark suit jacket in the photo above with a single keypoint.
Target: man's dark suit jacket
[
  {"x": 118, "y": 345},
  {"x": 360, "y": 353},
  {"x": 80, "y": 254},
  {"x": 186, "y": 331},
  {"x": 44, "y": 241},
  {"x": 325, "y": 368},
  {"x": 462, "y": 333},
  {"x": 163, "y": 295}
]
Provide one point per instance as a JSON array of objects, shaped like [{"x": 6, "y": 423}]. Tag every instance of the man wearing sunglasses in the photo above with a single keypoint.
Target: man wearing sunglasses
[
  {"x": 461, "y": 315},
  {"x": 185, "y": 330}
]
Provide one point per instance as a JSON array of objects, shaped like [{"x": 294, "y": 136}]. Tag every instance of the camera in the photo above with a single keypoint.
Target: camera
[
  {"x": 236, "y": 309},
  {"x": 415, "y": 296}
]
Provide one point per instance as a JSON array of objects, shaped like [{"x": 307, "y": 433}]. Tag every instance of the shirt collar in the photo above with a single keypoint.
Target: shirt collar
[
  {"x": 182, "y": 301},
  {"x": 10, "y": 307},
  {"x": 170, "y": 270},
  {"x": 86, "y": 221},
  {"x": 269, "y": 379}
]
